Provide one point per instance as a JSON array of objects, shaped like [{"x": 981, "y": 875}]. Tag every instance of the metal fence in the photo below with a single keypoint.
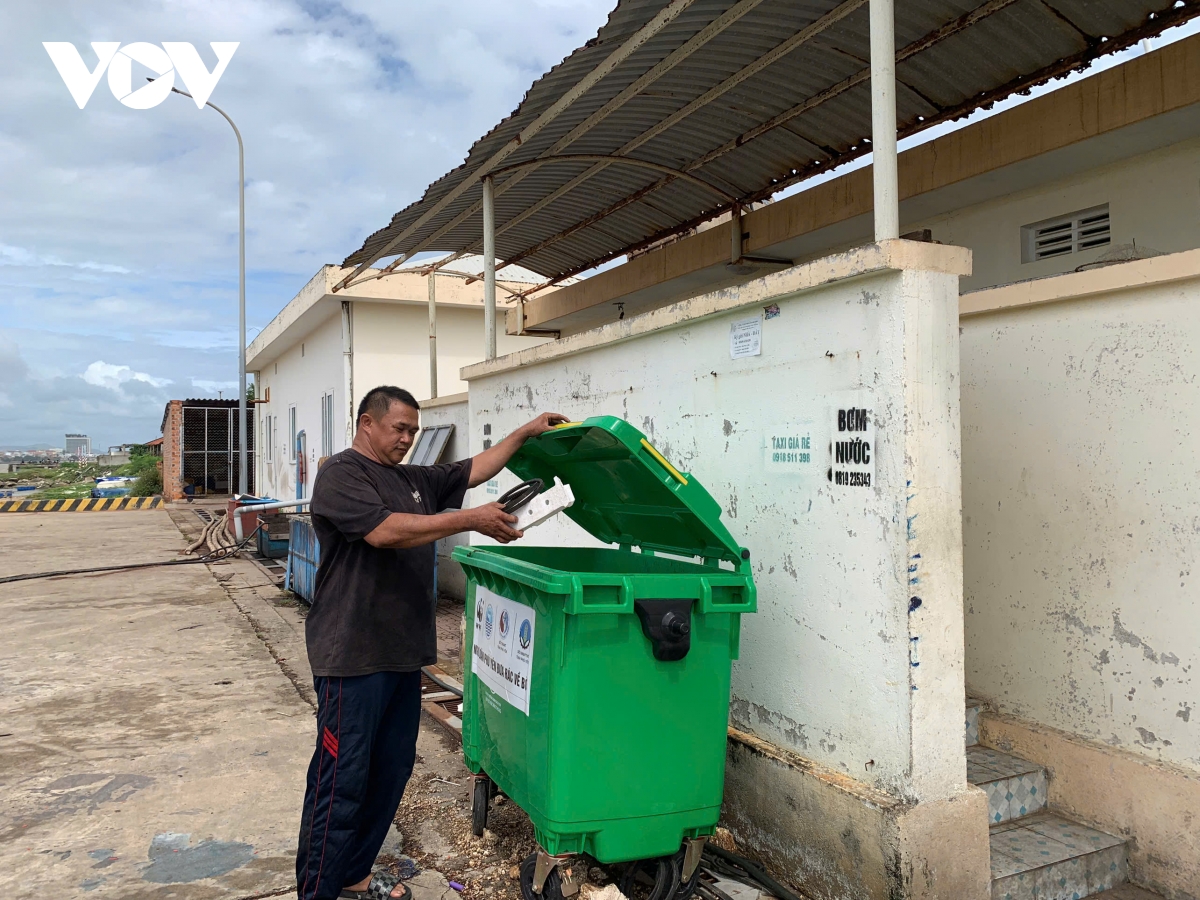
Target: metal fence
[
  {"x": 304, "y": 555},
  {"x": 210, "y": 449}
]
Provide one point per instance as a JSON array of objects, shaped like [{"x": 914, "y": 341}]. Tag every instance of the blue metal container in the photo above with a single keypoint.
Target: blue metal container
[
  {"x": 101, "y": 491},
  {"x": 269, "y": 547},
  {"x": 304, "y": 555}
]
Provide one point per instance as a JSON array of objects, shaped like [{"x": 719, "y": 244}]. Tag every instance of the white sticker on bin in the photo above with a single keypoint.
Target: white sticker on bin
[{"x": 502, "y": 646}]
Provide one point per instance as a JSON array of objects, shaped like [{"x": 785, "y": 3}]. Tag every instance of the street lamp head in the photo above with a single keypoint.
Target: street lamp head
[{"x": 174, "y": 90}]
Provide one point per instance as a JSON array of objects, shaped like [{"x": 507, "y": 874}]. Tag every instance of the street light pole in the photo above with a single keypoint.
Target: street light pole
[{"x": 243, "y": 480}]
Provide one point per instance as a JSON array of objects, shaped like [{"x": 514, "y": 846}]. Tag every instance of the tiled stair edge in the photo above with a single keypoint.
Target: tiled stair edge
[{"x": 1115, "y": 791}]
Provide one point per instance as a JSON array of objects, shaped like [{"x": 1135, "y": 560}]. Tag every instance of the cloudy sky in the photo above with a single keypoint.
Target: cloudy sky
[{"x": 118, "y": 230}]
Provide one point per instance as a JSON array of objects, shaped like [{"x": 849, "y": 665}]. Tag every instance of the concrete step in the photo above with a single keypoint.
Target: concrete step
[
  {"x": 1015, "y": 787},
  {"x": 1047, "y": 857},
  {"x": 974, "y": 707},
  {"x": 1128, "y": 892}
]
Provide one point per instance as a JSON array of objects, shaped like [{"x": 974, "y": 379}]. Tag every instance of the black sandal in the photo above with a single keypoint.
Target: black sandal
[{"x": 381, "y": 887}]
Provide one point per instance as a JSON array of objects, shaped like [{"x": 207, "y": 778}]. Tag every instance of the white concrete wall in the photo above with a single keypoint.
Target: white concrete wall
[
  {"x": 1081, "y": 514},
  {"x": 838, "y": 665},
  {"x": 1154, "y": 199},
  {"x": 299, "y": 377},
  {"x": 391, "y": 346}
]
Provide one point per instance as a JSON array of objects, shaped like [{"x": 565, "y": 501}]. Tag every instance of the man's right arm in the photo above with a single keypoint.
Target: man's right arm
[{"x": 401, "y": 530}]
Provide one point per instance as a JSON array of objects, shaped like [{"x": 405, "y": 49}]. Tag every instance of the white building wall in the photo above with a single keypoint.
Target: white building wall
[
  {"x": 391, "y": 346},
  {"x": 1154, "y": 199},
  {"x": 299, "y": 377},
  {"x": 1081, "y": 513}
]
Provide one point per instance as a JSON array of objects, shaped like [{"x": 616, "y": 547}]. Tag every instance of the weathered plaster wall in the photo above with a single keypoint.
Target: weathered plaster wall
[
  {"x": 1080, "y": 499},
  {"x": 854, "y": 660}
]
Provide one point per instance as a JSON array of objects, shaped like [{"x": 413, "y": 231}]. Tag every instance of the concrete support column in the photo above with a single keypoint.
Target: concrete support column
[
  {"x": 489, "y": 269},
  {"x": 433, "y": 387},
  {"x": 348, "y": 369},
  {"x": 883, "y": 120}
]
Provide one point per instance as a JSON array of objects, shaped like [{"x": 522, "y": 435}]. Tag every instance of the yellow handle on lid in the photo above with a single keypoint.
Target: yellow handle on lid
[{"x": 662, "y": 459}]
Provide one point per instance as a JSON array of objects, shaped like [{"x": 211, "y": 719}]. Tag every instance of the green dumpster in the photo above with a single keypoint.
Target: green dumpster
[{"x": 597, "y": 692}]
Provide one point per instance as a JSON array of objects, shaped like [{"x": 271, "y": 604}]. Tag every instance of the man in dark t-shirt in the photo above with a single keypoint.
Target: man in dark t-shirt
[{"x": 371, "y": 628}]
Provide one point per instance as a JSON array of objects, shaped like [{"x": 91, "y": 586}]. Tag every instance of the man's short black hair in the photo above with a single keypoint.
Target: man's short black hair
[{"x": 379, "y": 400}]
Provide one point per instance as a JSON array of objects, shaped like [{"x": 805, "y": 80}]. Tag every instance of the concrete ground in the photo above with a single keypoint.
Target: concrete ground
[{"x": 150, "y": 746}]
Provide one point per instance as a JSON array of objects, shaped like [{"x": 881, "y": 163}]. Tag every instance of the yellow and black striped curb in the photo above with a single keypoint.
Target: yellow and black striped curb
[{"x": 81, "y": 504}]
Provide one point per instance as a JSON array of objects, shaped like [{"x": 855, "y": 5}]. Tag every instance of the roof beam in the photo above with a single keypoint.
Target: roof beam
[
  {"x": 940, "y": 34},
  {"x": 619, "y": 55},
  {"x": 620, "y": 160},
  {"x": 681, "y": 53}
]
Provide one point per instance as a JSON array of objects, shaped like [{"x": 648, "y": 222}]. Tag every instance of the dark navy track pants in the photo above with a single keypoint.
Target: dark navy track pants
[{"x": 366, "y": 745}]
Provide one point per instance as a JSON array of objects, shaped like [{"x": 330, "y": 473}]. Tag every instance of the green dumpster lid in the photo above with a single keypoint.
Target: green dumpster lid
[{"x": 626, "y": 492}]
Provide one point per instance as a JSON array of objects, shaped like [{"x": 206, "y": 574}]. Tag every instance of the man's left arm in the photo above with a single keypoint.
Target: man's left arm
[{"x": 488, "y": 464}]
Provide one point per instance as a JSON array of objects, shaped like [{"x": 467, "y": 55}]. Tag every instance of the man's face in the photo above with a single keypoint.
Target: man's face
[{"x": 391, "y": 436}]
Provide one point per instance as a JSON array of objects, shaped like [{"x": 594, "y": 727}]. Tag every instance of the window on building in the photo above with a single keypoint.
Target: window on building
[
  {"x": 327, "y": 424},
  {"x": 268, "y": 440},
  {"x": 1061, "y": 236},
  {"x": 292, "y": 433}
]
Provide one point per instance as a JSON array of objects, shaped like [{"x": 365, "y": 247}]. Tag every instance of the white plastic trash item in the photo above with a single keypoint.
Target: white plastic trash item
[
  {"x": 549, "y": 502},
  {"x": 608, "y": 892}
]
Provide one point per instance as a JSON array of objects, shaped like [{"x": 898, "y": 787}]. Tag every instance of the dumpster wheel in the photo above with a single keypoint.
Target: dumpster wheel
[
  {"x": 481, "y": 797},
  {"x": 666, "y": 874},
  {"x": 551, "y": 890},
  {"x": 684, "y": 889}
]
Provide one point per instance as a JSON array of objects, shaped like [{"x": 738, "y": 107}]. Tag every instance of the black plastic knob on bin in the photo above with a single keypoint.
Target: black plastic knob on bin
[{"x": 667, "y": 624}]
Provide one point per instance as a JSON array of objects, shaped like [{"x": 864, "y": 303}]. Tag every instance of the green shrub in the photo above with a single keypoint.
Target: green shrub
[{"x": 148, "y": 484}]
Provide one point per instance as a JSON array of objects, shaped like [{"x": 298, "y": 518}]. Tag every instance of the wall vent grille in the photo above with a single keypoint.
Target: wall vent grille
[{"x": 1061, "y": 236}]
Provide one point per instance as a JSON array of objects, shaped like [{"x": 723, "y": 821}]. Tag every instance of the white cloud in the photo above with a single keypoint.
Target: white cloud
[
  {"x": 106, "y": 375},
  {"x": 19, "y": 256}
]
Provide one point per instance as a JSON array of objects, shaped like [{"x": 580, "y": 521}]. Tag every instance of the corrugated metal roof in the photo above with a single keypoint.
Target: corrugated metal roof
[{"x": 749, "y": 97}]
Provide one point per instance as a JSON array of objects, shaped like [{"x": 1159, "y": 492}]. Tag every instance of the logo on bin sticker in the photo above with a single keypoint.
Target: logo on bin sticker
[
  {"x": 478, "y": 613},
  {"x": 505, "y": 666}
]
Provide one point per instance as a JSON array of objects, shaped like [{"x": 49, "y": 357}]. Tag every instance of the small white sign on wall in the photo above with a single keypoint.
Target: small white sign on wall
[
  {"x": 502, "y": 646},
  {"x": 788, "y": 448},
  {"x": 745, "y": 338},
  {"x": 853, "y": 445}
]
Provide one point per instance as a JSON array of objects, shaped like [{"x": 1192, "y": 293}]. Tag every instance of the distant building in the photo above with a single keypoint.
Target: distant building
[
  {"x": 199, "y": 447},
  {"x": 78, "y": 445}
]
